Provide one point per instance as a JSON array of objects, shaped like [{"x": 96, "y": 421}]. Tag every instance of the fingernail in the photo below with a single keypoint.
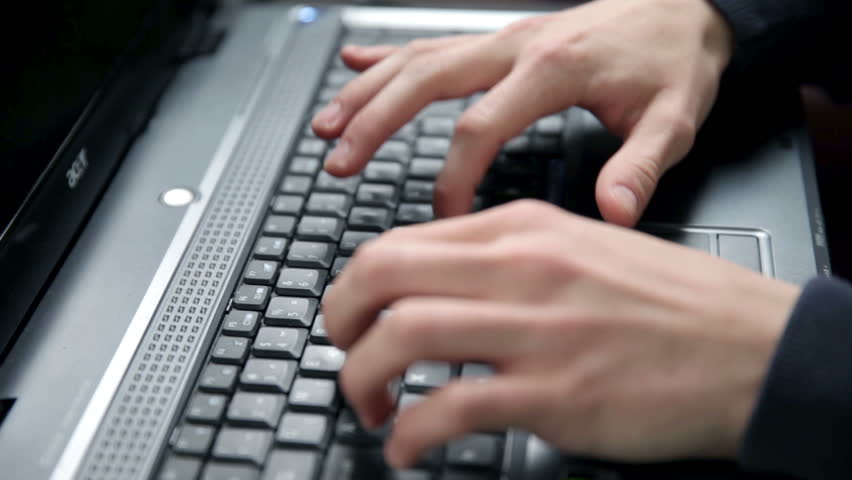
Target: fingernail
[
  {"x": 330, "y": 115},
  {"x": 626, "y": 198},
  {"x": 339, "y": 157}
]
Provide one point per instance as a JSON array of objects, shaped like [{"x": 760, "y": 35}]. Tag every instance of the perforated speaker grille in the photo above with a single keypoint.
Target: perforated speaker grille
[{"x": 138, "y": 419}]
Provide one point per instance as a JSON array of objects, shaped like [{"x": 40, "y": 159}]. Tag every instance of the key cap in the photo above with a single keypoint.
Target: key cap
[
  {"x": 296, "y": 184},
  {"x": 328, "y": 183},
  {"x": 318, "y": 332},
  {"x": 425, "y": 375},
  {"x": 256, "y": 409},
  {"x": 476, "y": 371},
  {"x": 376, "y": 195},
  {"x": 468, "y": 475},
  {"x": 233, "y": 350},
  {"x": 345, "y": 462},
  {"x": 301, "y": 281},
  {"x": 194, "y": 439},
  {"x": 251, "y": 297},
  {"x": 179, "y": 468},
  {"x": 349, "y": 430},
  {"x": 438, "y": 126},
  {"x": 339, "y": 77},
  {"x": 324, "y": 229},
  {"x": 291, "y": 312},
  {"x": 408, "y": 399},
  {"x": 268, "y": 375},
  {"x": 206, "y": 408},
  {"x": 407, "y": 134},
  {"x": 312, "y": 147},
  {"x": 395, "y": 150},
  {"x": 517, "y": 145},
  {"x": 329, "y": 204},
  {"x": 280, "y": 342},
  {"x": 305, "y": 166},
  {"x": 261, "y": 272},
  {"x": 314, "y": 394},
  {"x": 242, "y": 444},
  {"x": 224, "y": 471},
  {"x": 338, "y": 266},
  {"x": 370, "y": 218},
  {"x": 418, "y": 191},
  {"x": 269, "y": 248},
  {"x": 288, "y": 205},
  {"x": 303, "y": 430},
  {"x": 291, "y": 465},
  {"x": 322, "y": 361},
  {"x": 384, "y": 172},
  {"x": 311, "y": 255},
  {"x": 550, "y": 125},
  {"x": 426, "y": 168},
  {"x": 448, "y": 108},
  {"x": 351, "y": 240},
  {"x": 241, "y": 323},
  {"x": 436, "y": 147},
  {"x": 409, "y": 213},
  {"x": 279, "y": 226},
  {"x": 475, "y": 451},
  {"x": 218, "y": 378},
  {"x": 326, "y": 95},
  {"x": 411, "y": 475}
]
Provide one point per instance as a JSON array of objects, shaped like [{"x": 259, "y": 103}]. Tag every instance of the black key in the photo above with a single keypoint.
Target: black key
[
  {"x": 279, "y": 226},
  {"x": 376, "y": 195},
  {"x": 296, "y": 184},
  {"x": 224, "y": 471},
  {"x": 269, "y": 375},
  {"x": 280, "y": 342},
  {"x": 409, "y": 213},
  {"x": 194, "y": 439},
  {"x": 241, "y": 323},
  {"x": 396, "y": 150},
  {"x": 384, "y": 172},
  {"x": 345, "y": 462},
  {"x": 340, "y": 77},
  {"x": 338, "y": 266},
  {"x": 370, "y": 218},
  {"x": 206, "y": 408},
  {"x": 351, "y": 240},
  {"x": 322, "y": 361},
  {"x": 330, "y": 204},
  {"x": 287, "y": 205},
  {"x": 426, "y": 375},
  {"x": 233, "y": 350},
  {"x": 318, "y": 332},
  {"x": 291, "y": 465},
  {"x": 437, "y": 126},
  {"x": 218, "y": 378},
  {"x": 426, "y": 168},
  {"x": 312, "y": 147},
  {"x": 311, "y": 254},
  {"x": 743, "y": 250},
  {"x": 314, "y": 394},
  {"x": 546, "y": 145},
  {"x": 251, "y": 297},
  {"x": 328, "y": 183},
  {"x": 303, "y": 430},
  {"x": 349, "y": 430},
  {"x": 468, "y": 475},
  {"x": 518, "y": 145},
  {"x": 475, "y": 451},
  {"x": 476, "y": 370},
  {"x": 698, "y": 241},
  {"x": 242, "y": 444},
  {"x": 550, "y": 125},
  {"x": 256, "y": 409},
  {"x": 291, "y": 312},
  {"x": 261, "y": 272},
  {"x": 301, "y": 281},
  {"x": 418, "y": 191},
  {"x": 305, "y": 166},
  {"x": 408, "y": 399},
  {"x": 412, "y": 475},
  {"x": 324, "y": 229},
  {"x": 179, "y": 468},
  {"x": 449, "y": 108},
  {"x": 269, "y": 248},
  {"x": 436, "y": 147}
]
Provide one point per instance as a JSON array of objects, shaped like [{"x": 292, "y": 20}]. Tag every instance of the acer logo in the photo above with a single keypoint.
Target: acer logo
[{"x": 78, "y": 169}]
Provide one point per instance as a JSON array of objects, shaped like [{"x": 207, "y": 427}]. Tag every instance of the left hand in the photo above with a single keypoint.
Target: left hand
[{"x": 606, "y": 342}]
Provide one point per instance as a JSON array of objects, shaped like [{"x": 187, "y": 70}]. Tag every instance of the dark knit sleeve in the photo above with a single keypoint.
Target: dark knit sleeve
[
  {"x": 802, "y": 424},
  {"x": 799, "y": 41}
]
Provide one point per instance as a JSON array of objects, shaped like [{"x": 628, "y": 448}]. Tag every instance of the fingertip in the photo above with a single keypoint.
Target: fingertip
[
  {"x": 619, "y": 204},
  {"x": 450, "y": 200}
]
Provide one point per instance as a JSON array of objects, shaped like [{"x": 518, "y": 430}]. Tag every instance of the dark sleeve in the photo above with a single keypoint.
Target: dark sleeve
[
  {"x": 802, "y": 424},
  {"x": 800, "y": 41}
]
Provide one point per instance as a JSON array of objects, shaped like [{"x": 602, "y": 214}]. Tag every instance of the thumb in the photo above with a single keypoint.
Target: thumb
[{"x": 660, "y": 139}]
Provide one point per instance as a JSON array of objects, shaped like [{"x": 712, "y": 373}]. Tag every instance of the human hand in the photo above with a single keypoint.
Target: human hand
[
  {"x": 649, "y": 70},
  {"x": 606, "y": 342}
]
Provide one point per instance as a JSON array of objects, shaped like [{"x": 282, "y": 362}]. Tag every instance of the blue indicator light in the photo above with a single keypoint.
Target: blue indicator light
[{"x": 308, "y": 15}]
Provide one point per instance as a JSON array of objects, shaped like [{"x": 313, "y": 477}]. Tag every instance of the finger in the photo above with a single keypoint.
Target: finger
[
  {"x": 464, "y": 407},
  {"x": 511, "y": 106},
  {"x": 663, "y": 135},
  {"x": 456, "y": 72},
  {"x": 361, "y": 58},
  {"x": 382, "y": 272},
  {"x": 436, "y": 329},
  {"x": 330, "y": 121}
]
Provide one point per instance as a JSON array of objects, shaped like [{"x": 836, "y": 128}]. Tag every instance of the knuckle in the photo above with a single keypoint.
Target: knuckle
[
  {"x": 520, "y": 27},
  {"x": 418, "y": 47},
  {"x": 370, "y": 262},
  {"x": 409, "y": 324},
  {"x": 569, "y": 51},
  {"x": 474, "y": 123},
  {"x": 425, "y": 70}
]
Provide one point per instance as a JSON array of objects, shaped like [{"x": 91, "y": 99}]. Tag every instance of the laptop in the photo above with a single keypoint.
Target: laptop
[{"x": 167, "y": 236}]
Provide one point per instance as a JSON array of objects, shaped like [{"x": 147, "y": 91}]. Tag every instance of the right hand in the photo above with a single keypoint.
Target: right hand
[{"x": 648, "y": 70}]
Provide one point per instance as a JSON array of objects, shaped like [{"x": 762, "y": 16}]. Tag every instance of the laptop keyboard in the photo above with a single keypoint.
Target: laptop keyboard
[{"x": 266, "y": 404}]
